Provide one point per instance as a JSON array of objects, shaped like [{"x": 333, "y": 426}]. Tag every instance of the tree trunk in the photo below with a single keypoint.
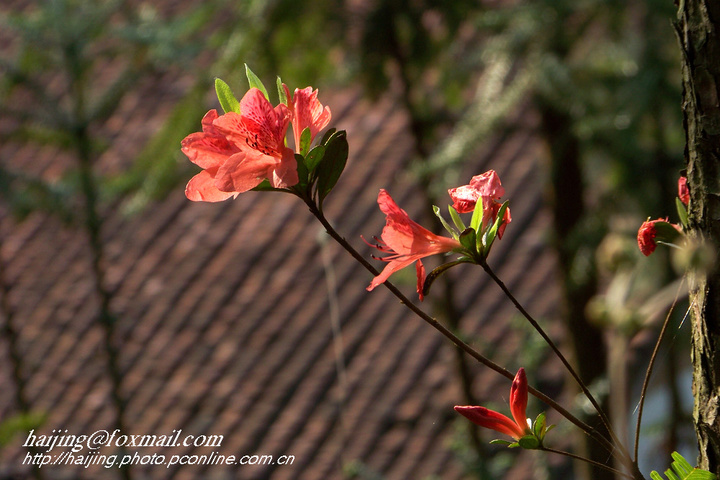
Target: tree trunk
[{"x": 698, "y": 31}]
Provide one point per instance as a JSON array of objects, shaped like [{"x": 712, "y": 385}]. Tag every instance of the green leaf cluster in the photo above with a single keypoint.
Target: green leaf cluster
[
  {"x": 682, "y": 470},
  {"x": 476, "y": 242},
  {"x": 533, "y": 440}
]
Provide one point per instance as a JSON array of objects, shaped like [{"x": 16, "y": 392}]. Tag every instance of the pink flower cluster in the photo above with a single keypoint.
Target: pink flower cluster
[
  {"x": 405, "y": 241},
  {"x": 489, "y": 190},
  {"x": 237, "y": 151}
]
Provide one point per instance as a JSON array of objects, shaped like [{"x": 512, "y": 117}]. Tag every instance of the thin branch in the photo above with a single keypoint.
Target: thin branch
[
  {"x": 587, "y": 460},
  {"x": 649, "y": 371},
  {"x": 562, "y": 358},
  {"x": 450, "y": 335}
]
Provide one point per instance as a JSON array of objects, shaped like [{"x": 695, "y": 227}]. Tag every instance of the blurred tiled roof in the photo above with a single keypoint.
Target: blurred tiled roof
[{"x": 225, "y": 316}]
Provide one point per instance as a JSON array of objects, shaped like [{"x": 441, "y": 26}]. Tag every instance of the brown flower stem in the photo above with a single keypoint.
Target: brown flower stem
[
  {"x": 591, "y": 462},
  {"x": 562, "y": 358},
  {"x": 649, "y": 371},
  {"x": 450, "y": 335}
]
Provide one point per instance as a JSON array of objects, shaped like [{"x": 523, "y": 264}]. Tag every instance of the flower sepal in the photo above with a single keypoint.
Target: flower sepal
[{"x": 530, "y": 441}]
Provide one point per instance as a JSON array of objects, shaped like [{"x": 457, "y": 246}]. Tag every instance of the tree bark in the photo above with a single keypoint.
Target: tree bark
[{"x": 698, "y": 31}]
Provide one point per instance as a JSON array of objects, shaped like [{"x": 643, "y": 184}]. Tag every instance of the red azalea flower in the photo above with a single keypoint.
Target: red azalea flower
[
  {"x": 516, "y": 427},
  {"x": 406, "y": 242},
  {"x": 307, "y": 112},
  {"x": 488, "y": 188},
  {"x": 651, "y": 230},
  {"x": 646, "y": 236},
  {"x": 209, "y": 150},
  {"x": 683, "y": 191},
  {"x": 238, "y": 151}
]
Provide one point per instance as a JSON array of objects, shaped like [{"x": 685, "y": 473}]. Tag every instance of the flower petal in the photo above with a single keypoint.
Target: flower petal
[
  {"x": 683, "y": 190},
  {"x": 244, "y": 171},
  {"x": 406, "y": 242},
  {"x": 407, "y": 237},
  {"x": 308, "y": 112},
  {"x": 392, "y": 267},
  {"x": 201, "y": 188},
  {"x": 491, "y": 419},
  {"x": 646, "y": 237},
  {"x": 260, "y": 127},
  {"x": 488, "y": 185},
  {"x": 464, "y": 198},
  {"x": 208, "y": 148},
  {"x": 519, "y": 398},
  {"x": 284, "y": 173}
]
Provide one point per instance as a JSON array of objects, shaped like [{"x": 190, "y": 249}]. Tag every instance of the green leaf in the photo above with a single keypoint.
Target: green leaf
[
  {"x": 265, "y": 186},
  {"x": 529, "y": 442},
  {"x": 467, "y": 239},
  {"x": 477, "y": 215},
  {"x": 682, "y": 470},
  {"x": 498, "y": 441},
  {"x": 539, "y": 426},
  {"x": 491, "y": 233},
  {"x": 282, "y": 95},
  {"x": 327, "y": 136},
  {"x": 302, "y": 171},
  {"x": 452, "y": 231},
  {"x": 255, "y": 82},
  {"x": 314, "y": 157},
  {"x": 456, "y": 219},
  {"x": 228, "y": 102},
  {"x": 682, "y": 213},
  {"x": 305, "y": 139},
  {"x": 332, "y": 164},
  {"x": 666, "y": 232}
]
